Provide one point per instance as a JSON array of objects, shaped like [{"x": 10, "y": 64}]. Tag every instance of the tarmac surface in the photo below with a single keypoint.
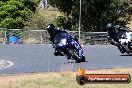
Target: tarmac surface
[{"x": 28, "y": 58}]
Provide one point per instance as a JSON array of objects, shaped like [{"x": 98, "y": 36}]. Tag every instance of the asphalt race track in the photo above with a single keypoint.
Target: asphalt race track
[{"x": 39, "y": 58}]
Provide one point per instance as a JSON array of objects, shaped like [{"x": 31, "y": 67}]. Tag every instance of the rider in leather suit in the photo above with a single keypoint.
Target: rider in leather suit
[
  {"x": 53, "y": 31},
  {"x": 115, "y": 32}
]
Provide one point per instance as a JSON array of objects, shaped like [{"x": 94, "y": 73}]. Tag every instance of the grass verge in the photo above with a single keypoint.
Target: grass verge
[{"x": 58, "y": 80}]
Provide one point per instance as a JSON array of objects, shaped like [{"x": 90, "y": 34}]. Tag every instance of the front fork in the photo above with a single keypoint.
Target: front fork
[{"x": 78, "y": 49}]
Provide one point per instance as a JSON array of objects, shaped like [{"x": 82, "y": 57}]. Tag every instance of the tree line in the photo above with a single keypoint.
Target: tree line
[
  {"x": 95, "y": 13},
  {"x": 14, "y": 13}
]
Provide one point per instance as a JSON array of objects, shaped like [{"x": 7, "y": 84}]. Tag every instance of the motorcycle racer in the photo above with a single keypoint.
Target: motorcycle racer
[
  {"x": 53, "y": 32},
  {"x": 116, "y": 32}
]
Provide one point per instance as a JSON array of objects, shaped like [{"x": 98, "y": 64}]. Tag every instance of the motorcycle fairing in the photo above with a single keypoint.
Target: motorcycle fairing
[
  {"x": 70, "y": 41},
  {"x": 127, "y": 39},
  {"x": 59, "y": 39}
]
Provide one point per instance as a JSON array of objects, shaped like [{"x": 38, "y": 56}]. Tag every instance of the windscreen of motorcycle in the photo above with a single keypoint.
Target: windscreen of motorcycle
[
  {"x": 131, "y": 36},
  {"x": 60, "y": 39}
]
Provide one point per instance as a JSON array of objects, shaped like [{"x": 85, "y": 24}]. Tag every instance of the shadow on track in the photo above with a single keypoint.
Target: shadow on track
[
  {"x": 74, "y": 62},
  {"x": 126, "y": 55}
]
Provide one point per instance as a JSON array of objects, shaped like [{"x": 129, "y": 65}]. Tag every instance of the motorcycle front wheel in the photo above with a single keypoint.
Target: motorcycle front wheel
[
  {"x": 130, "y": 46},
  {"x": 74, "y": 55}
]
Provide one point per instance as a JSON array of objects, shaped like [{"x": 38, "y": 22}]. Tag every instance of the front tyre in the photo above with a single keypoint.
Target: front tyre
[
  {"x": 83, "y": 59},
  {"x": 74, "y": 55},
  {"x": 130, "y": 45}
]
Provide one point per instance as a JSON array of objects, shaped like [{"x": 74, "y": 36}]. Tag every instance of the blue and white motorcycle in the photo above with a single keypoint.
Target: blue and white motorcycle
[{"x": 68, "y": 46}]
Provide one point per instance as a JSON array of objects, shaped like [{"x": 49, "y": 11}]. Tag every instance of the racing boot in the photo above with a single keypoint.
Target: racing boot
[
  {"x": 57, "y": 53},
  {"x": 122, "y": 50},
  {"x": 68, "y": 57}
]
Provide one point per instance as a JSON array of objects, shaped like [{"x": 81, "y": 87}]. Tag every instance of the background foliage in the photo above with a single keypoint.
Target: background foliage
[
  {"x": 13, "y": 13},
  {"x": 95, "y": 13},
  {"x": 42, "y": 17}
]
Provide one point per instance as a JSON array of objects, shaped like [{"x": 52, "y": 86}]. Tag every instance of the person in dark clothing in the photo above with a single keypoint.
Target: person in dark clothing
[
  {"x": 112, "y": 34},
  {"x": 53, "y": 32},
  {"x": 115, "y": 32}
]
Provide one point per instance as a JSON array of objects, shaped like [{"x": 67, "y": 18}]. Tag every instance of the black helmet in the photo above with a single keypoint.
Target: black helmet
[
  {"x": 50, "y": 28},
  {"x": 109, "y": 25}
]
